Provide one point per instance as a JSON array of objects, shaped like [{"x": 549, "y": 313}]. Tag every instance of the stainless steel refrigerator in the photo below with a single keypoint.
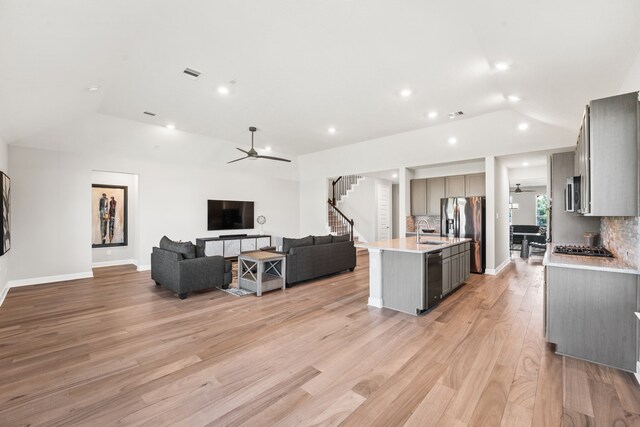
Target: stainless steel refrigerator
[{"x": 465, "y": 217}]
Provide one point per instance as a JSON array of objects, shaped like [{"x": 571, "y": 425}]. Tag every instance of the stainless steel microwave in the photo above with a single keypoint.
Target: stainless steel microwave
[{"x": 572, "y": 194}]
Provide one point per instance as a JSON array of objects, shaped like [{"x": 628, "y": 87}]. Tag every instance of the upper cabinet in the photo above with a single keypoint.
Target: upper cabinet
[
  {"x": 418, "y": 197},
  {"x": 474, "y": 184},
  {"x": 427, "y": 193},
  {"x": 435, "y": 192},
  {"x": 455, "y": 186},
  {"x": 607, "y": 157}
]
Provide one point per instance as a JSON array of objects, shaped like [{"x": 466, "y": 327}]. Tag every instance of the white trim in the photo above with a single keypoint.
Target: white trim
[
  {"x": 4, "y": 293},
  {"x": 496, "y": 271},
  {"x": 375, "y": 302},
  {"x": 637, "y": 372},
  {"x": 49, "y": 279},
  {"x": 113, "y": 263},
  {"x": 144, "y": 267}
]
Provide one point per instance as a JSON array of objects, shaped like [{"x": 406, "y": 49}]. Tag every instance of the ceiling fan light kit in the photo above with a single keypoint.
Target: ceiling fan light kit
[{"x": 252, "y": 154}]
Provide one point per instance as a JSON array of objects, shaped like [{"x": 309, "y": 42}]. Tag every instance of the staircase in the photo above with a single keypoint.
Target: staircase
[
  {"x": 339, "y": 223},
  {"x": 342, "y": 185}
]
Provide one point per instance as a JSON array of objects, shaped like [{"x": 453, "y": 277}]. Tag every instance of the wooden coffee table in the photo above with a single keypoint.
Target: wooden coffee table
[{"x": 260, "y": 271}]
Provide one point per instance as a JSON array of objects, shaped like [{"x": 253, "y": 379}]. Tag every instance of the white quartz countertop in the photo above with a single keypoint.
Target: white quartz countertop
[
  {"x": 409, "y": 244},
  {"x": 613, "y": 265}
]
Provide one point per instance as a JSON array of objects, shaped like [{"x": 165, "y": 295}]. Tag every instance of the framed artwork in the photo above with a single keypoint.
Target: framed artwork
[
  {"x": 5, "y": 183},
  {"x": 109, "y": 215}
]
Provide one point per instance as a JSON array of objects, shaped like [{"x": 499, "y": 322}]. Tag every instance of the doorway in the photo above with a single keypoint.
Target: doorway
[{"x": 383, "y": 193}]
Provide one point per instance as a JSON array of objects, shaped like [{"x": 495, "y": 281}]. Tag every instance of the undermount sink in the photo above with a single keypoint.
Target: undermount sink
[{"x": 431, "y": 242}]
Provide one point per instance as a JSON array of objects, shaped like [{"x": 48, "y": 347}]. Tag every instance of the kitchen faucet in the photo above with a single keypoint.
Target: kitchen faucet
[{"x": 418, "y": 229}]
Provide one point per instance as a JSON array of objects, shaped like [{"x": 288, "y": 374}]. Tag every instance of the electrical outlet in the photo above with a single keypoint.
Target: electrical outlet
[{"x": 108, "y": 251}]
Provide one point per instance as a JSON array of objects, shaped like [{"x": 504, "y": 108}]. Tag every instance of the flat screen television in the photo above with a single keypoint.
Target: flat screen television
[{"x": 229, "y": 215}]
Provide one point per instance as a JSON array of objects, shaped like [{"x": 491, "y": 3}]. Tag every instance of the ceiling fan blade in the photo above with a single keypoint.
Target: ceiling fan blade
[
  {"x": 237, "y": 160},
  {"x": 244, "y": 151},
  {"x": 273, "y": 158}
]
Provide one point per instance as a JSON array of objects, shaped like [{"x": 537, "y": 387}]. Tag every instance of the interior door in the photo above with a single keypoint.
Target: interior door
[{"x": 384, "y": 211}]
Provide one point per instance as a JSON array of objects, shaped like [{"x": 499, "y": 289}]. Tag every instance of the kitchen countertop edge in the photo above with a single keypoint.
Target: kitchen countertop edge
[{"x": 409, "y": 244}]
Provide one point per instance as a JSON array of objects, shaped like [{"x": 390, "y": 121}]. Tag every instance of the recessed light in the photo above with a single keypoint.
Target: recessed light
[
  {"x": 513, "y": 98},
  {"x": 170, "y": 126},
  {"x": 395, "y": 175},
  {"x": 501, "y": 66},
  {"x": 452, "y": 140},
  {"x": 331, "y": 130},
  {"x": 223, "y": 90},
  {"x": 432, "y": 114},
  {"x": 267, "y": 148},
  {"x": 405, "y": 92},
  {"x": 523, "y": 126},
  {"x": 525, "y": 164},
  {"x": 93, "y": 88}
]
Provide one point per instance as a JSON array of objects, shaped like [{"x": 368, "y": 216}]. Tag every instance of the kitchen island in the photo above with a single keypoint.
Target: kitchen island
[{"x": 412, "y": 277}]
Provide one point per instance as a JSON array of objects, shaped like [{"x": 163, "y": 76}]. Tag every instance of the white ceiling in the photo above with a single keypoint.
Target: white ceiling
[{"x": 303, "y": 66}]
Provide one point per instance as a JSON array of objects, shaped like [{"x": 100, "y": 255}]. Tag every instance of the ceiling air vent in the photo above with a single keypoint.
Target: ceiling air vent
[
  {"x": 455, "y": 114},
  {"x": 149, "y": 113},
  {"x": 191, "y": 73}
]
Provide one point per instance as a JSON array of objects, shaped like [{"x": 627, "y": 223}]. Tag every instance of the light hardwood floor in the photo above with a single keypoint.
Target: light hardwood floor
[{"x": 115, "y": 349}]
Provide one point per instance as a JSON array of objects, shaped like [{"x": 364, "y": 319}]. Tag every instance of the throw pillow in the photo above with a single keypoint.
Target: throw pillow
[
  {"x": 343, "y": 238},
  {"x": 322, "y": 240},
  {"x": 287, "y": 244},
  {"x": 187, "y": 249}
]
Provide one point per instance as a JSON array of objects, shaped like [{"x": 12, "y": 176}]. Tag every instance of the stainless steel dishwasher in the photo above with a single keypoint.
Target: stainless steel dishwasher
[{"x": 433, "y": 282}]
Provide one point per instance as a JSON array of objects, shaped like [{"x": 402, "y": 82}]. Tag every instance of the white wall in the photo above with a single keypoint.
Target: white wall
[
  {"x": 526, "y": 212},
  {"x": 361, "y": 204},
  {"x": 4, "y": 260},
  {"x": 52, "y": 214},
  {"x": 632, "y": 81},
  {"x": 117, "y": 254},
  {"x": 478, "y": 137},
  {"x": 501, "y": 193},
  {"x": 450, "y": 169}
]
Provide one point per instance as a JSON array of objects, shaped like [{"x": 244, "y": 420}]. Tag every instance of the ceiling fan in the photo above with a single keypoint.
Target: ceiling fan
[
  {"x": 520, "y": 190},
  {"x": 253, "y": 154}
]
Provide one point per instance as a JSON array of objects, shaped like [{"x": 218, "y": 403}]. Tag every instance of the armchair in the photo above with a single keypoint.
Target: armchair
[{"x": 171, "y": 270}]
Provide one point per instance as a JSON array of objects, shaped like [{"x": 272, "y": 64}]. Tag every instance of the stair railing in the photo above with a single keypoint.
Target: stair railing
[{"x": 339, "y": 221}]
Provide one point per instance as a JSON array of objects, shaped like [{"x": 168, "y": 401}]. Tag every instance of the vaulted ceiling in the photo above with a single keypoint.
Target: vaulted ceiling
[{"x": 294, "y": 68}]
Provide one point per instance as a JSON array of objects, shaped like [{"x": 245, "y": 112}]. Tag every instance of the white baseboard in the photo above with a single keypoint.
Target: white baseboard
[
  {"x": 4, "y": 293},
  {"x": 496, "y": 271},
  {"x": 143, "y": 267},
  {"x": 49, "y": 279},
  {"x": 113, "y": 263},
  {"x": 375, "y": 302}
]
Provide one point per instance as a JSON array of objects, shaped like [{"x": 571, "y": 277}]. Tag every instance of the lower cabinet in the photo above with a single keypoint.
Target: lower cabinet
[
  {"x": 591, "y": 315},
  {"x": 456, "y": 267},
  {"x": 446, "y": 276}
]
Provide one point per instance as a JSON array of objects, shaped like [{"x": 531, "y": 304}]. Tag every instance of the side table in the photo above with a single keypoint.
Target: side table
[{"x": 260, "y": 271}]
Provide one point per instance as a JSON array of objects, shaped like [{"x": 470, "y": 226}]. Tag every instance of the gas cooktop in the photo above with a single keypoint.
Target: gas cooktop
[{"x": 598, "y": 251}]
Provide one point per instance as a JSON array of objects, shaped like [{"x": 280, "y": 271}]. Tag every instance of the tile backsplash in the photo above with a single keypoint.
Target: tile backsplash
[
  {"x": 413, "y": 220},
  {"x": 621, "y": 235}
]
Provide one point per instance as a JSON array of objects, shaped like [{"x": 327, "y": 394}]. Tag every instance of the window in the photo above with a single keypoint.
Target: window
[{"x": 542, "y": 202}]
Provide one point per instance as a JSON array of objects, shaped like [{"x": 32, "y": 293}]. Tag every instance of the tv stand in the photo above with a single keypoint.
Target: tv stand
[{"x": 230, "y": 246}]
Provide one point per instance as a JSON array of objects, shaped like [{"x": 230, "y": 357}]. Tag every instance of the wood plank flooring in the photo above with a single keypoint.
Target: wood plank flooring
[{"x": 117, "y": 350}]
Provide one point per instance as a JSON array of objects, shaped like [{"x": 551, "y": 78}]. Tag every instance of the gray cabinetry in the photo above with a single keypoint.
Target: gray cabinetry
[
  {"x": 591, "y": 315},
  {"x": 455, "y": 186},
  {"x": 435, "y": 192},
  {"x": 613, "y": 151},
  {"x": 456, "y": 266},
  {"x": 418, "y": 197},
  {"x": 446, "y": 275},
  {"x": 475, "y": 185}
]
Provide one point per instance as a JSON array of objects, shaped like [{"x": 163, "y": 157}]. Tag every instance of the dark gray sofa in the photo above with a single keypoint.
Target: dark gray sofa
[
  {"x": 316, "y": 256},
  {"x": 175, "y": 266}
]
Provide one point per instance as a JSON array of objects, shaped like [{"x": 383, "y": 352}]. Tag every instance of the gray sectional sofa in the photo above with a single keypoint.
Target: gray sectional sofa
[
  {"x": 175, "y": 266},
  {"x": 316, "y": 256}
]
